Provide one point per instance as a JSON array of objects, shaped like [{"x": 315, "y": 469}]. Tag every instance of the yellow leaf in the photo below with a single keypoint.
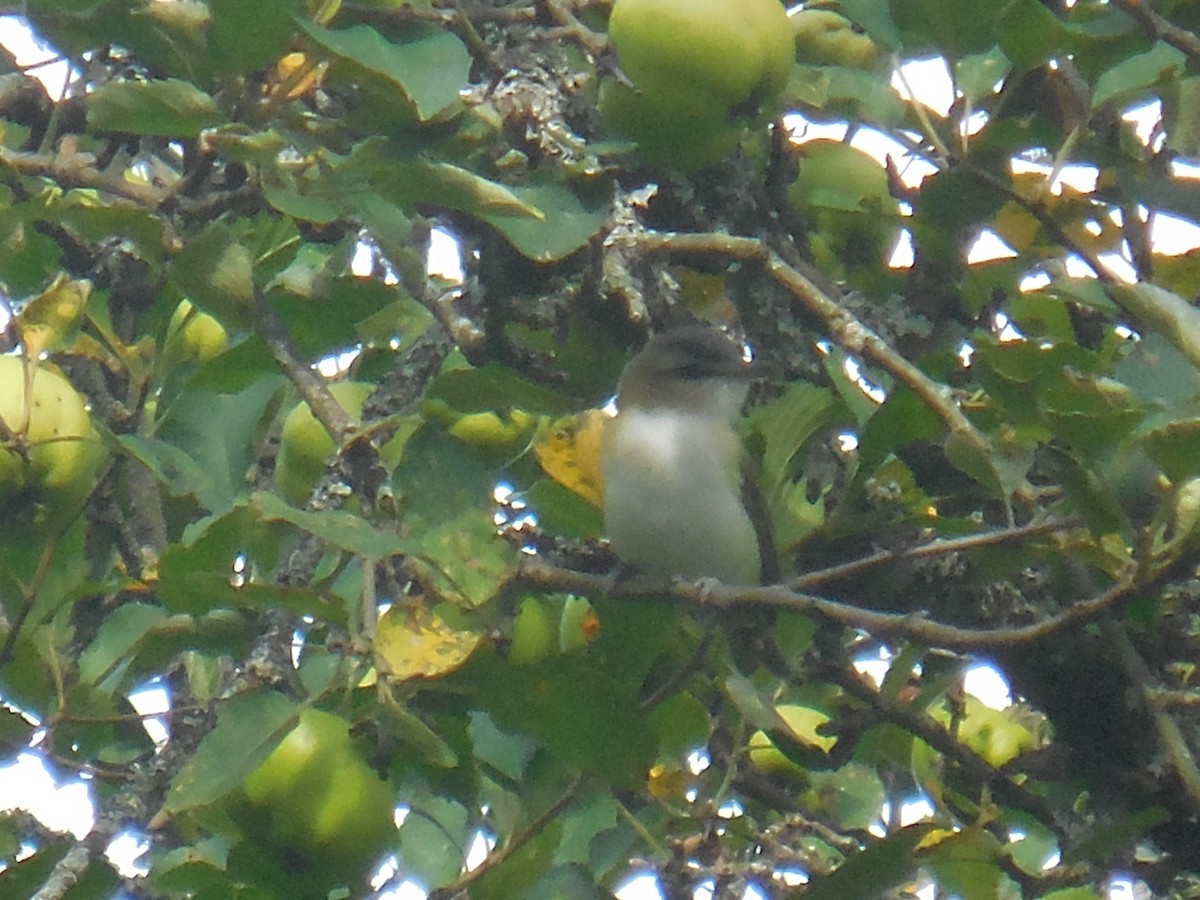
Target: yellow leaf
[
  {"x": 569, "y": 452},
  {"x": 48, "y": 320},
  {"x": 417, "y": 643},
  {"x": 1018, "y": 227},
  {"x": 667, "y": 781},
  {"x": 804, "y": 724},
  {"x": 297, "y": 75}
]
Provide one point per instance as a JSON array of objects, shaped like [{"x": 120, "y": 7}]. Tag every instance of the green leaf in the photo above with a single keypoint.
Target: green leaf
[
  {"x": 506, "y": 753},
  {"x": 1105, "y": 839},
  {"x": 430, "y": 66},
  {"x": 882, "y": 865},
  {"x": 220, "y": 432},
  {"x": 517, "y": 874},
  {"x": 1182, "y": 115},
  {"x": 173, "y": 467},
  {"x": 193, "y": 869},
  {"x": 170, "y": 108},
  {"x": 681, "y": 724},
  {"x": 1073, "y": 893},
  {"x": 564, "y": 224},
  {"x": 494, "y": 387},
  {"x": 1134, "y": 76},
  {"x": 197, "y": 573},
  {"x": 587, "y": 817},
  {"x": 433, "y": 839},
  {"x": 977, "y": 75},
  {"x": 1030, "y": 34},
  {"x": 216, "y": 273},
  {"x": 118, "y": 636},
  {"x": 1175, "y": 448},
  {"x": 965, "y": 864},
  {"x": 244, "y": 37},
  {"x": 453, "y": 187},
  {"x": 853, "y": 795},
  {"x": 586, "y": 715},
  {"x": 902, "y": 420},
  {"x": 952, "y": 29},
  {"x": 338, "y": 528},
  {"x": 446, "y": 507},
  {"x": 248, "y": 727},
  {"x": 329, "y": 320},
  {"x": 563, "y": 512}
]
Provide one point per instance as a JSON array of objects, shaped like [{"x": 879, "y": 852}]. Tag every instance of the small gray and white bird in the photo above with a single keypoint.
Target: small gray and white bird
[{"x": 672, "y": 462}]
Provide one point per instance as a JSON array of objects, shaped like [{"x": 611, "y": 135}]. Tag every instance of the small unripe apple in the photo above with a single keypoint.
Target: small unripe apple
[
  {"x": 842, "y": 195},
  {"x": 824, "y": 37},
  {"x": 533, "y": 634},
  {"x": 50, "y": 445},
  {"x": 579, "y": 625},
  {"x": 318, "y": 796},
  {"x": 686, "y": 143},
  {"x": 492, "y": 430},
  {"x": 195, "y": 336},
  {"x": 318, "y": 734},
  {"x": 305, "y": 446}
]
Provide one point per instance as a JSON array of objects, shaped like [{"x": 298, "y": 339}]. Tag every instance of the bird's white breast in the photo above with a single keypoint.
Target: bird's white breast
[{"x": 673, "y": 496}]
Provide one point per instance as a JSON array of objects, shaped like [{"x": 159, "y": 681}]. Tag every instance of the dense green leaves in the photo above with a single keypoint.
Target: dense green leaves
[{"x": 986, "y": 449}]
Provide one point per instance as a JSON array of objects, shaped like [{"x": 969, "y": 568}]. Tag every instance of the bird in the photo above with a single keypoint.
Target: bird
[{"x": 672, "y": 462}]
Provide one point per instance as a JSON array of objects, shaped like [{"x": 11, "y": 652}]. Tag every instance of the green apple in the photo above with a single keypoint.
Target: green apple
[
  {"x": 357, "y": 810},
  {"x": 49, "y": 444},
  {"x": 824, "y": 37},
  {"x": 533, "y": 633},
  {"x": 305, "y": 446},
  {"x": 579, "y": 625},
  {"x": 193, "y": 335},
  {"x": 842, "y": 195},
  {"x": 299, "y": 756},
  {"x": 317, "y": 795},
  {"x": 666, "y": 138},
  {"x": 695, "y": 54},
  {"x": 698, "y": 66}
]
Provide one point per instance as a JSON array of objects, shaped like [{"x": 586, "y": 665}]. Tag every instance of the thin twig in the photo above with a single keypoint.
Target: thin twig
[
  {"x": 939, "y": 547},
  {"x": 1157, "y": 26},
  {"x": 1163, "y": 698},
  {"x": 913, "y": 626},
  {"x": 78, "y": 169},
  {"x": 1168, "y": 730},
  {"x": 518, "y": 840},
  {"x": 942, "y": 740},
  {"x": 313, "y": 389},
  {"x": 693, "y": 664},
  {"x": 855, "y": 336}
]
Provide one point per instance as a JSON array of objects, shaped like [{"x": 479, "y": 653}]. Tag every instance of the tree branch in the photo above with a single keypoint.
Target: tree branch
[
  {"x": 938, "y": 547},
  {"x": 1159, "y": 27},
  {"x": 1182, "y": 760},
  {"x": 911, "y": 626},
  {"x": 855, "y": 336},
  {"x": 71, "y": 168}
]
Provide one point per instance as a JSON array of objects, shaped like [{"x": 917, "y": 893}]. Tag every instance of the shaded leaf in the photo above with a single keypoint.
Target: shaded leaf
[
  {"x": 170, "y": 108},
  {"x": 248, "y": 727},
  {"x": 868, "y": 874},
  {"x": 429, "y": 65},
  {"x": 564, "y": 223}
]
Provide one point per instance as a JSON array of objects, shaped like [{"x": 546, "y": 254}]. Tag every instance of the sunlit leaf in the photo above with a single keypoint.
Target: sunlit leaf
[{"x": 416, "y": 643}]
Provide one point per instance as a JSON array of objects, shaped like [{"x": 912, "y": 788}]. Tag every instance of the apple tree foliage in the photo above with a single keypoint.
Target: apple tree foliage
[{"x": 966, "y": 457}]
